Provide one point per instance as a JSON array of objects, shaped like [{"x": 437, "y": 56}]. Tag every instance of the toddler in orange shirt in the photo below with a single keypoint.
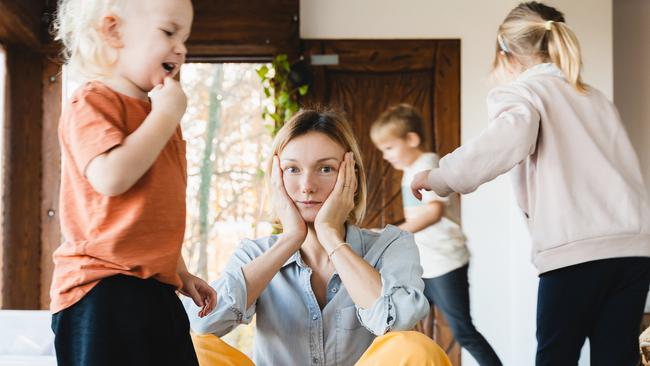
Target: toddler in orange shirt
[{"x": 123, "y": 181}]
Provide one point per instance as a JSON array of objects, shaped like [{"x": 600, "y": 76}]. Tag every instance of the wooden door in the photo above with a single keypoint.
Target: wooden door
[{"x": 370, "y": 76}]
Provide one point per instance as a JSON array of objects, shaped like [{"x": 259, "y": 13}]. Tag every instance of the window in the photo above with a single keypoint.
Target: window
[{"x": 227, "y": 148}]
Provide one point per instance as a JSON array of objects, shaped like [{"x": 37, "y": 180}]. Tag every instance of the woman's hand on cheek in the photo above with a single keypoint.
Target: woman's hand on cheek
[
  {"x": 293, "y": 225},
  {"x": 330, "y": 220}
]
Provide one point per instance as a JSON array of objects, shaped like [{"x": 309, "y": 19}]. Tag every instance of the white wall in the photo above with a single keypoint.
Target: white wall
[
  {"x": 632, "y": 77},
  {"x": 632, "y": 74},
  {"x": 503, "y": 281}
]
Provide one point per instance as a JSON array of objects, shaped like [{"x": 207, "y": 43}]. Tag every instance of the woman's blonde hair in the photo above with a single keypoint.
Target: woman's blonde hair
[
  {"x": 533, "y": 31},
  {"x": 76, "y": 25},
  {"x": 337, "y": 128}
]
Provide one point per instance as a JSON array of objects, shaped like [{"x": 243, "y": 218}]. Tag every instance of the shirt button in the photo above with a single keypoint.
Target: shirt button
[
  {"x": 314, "y": 317},
  {"x": 314, "y": 360},
  {"x": 390, "y": 319},
  {"x": 334, "y": 289}
]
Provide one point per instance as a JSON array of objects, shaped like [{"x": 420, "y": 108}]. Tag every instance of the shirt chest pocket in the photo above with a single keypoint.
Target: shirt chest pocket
[
  {"x": 346, "y": 318},
  {"x": 352, "y": 339}
]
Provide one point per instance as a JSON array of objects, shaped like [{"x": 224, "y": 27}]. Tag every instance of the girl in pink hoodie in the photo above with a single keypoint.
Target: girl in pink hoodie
[{"x": 578, "y": 182}]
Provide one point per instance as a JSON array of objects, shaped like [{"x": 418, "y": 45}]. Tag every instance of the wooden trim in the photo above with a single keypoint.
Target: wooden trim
[
  {"x": 446, "y": 98},
  {"x": 229, "y": 53},
  {"x": 394, "y": 56},
  {"x": 20, "y": 22},
  {"x": 4, "y": 114},
  {"x": 256, "y": 29},
  {"x": 50, "y": 227},
  {"x": 228, "y": 59},
  {"x": 22, "y": 180}
]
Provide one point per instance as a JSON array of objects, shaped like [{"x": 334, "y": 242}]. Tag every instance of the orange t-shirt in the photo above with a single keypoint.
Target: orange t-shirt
[{"x": 138, "y": 233}]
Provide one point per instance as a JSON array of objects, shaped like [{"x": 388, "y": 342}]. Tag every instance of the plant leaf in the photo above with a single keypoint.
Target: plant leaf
[
  {"x": 283, "y": 98},
  {"x": 262, "y": 71},
  {"x": 285, "y": 66}
]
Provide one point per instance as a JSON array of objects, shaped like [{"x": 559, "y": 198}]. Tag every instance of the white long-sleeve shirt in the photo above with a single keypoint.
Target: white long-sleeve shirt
[
  {"x": 575, "y": 174},
  {"x": 441, "y": 245}
]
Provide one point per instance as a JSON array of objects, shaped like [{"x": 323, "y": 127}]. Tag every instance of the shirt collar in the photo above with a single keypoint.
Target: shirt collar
[
  {"x": 352, "y": 236},
  {"x": 541, "y": 69}
]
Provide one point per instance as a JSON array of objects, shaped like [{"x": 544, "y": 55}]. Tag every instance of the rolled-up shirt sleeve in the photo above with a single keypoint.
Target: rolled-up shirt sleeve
[
  {"x": 402, "y": 302},
  {"x": 231, "y": 296}
]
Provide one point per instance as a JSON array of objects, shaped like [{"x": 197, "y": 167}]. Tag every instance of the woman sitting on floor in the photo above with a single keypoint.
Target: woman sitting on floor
[{"x": 325, "y": 291}]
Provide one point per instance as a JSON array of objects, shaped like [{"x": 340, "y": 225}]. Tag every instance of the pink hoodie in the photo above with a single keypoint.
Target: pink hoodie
[{"x": 575, "y": 174}]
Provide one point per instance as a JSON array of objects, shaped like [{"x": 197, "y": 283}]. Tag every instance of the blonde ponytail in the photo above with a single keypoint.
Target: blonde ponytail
[
  {"x": 532, "y": 33},
  {"x": 564, "y": 51}
]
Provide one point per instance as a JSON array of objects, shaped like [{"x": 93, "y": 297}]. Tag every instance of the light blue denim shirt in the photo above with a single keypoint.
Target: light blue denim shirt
[{"x": 291, "y": 327}]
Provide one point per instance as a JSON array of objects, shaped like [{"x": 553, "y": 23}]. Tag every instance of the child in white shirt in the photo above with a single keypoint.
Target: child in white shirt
[{"x": 398, "y": 134}]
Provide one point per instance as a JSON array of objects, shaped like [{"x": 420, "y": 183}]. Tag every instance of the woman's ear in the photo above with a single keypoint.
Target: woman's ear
[
  {"x": 413, "y": 140},
  {"x": 109, "y": 31}
]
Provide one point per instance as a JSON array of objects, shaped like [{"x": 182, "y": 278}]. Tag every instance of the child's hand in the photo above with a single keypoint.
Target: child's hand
[
  {"x": 200, "y": 292},
  {"x": 430, "y": 180},
  {"x": 420, "y": 181},
  {"x": 169, "y": 98}
]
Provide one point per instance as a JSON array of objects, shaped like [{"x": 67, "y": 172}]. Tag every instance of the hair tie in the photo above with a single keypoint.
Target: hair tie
[
  {"x": 548, "y": 23},
  {"x": 502, "y": 44}
]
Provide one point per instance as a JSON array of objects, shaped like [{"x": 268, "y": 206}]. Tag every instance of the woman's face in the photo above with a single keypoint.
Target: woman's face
[{"x": 310, "y": 165}]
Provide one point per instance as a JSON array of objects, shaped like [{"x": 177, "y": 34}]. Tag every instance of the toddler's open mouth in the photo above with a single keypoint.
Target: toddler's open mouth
[{"x": 169, "y": 67}]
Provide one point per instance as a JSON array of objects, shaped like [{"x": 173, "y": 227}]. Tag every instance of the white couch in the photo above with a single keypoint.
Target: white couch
[{"x": 26, "y": 338}]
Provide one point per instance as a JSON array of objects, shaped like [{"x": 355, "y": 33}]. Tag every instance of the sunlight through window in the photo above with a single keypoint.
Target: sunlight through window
[{"x": 227, "y": 148}]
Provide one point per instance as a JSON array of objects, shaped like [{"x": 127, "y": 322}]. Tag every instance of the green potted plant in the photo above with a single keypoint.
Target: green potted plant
[{"x": 284, "y": 86}]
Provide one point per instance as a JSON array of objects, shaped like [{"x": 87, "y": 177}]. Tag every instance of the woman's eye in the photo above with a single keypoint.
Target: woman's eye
[
  {"x": 291, "y": 169},
  {"x": 167, "y": 33},
  {"x": 326, "y": 169}
]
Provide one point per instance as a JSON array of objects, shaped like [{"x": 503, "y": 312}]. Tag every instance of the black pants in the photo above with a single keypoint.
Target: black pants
[
  {"x": 124, "y": 321},
  {"x": 600, "y": 300},
  {"x": 450, "y": 292}
]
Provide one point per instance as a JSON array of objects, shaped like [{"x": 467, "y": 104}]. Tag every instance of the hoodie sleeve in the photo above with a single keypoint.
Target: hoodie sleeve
[{"x": 510, "y": 137}]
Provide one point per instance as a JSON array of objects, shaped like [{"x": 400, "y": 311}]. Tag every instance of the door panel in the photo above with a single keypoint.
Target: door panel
[{"x": 371, "y": 76}]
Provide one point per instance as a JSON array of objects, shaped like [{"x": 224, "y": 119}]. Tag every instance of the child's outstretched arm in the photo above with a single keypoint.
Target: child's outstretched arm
[
  {"x": 117, "y": 170},
  {"x": 421, "y": 181},
  {"x": 510, "y": 137},
  {"x": 428, "y": 215},
  {"x": 198, "y": 290}
]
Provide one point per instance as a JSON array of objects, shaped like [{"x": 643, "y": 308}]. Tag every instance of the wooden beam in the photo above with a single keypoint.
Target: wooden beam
[
  {"x": 20, "y": 22},
  {"x": 21, "y": 237},
  {"x": 251, "y": 29},
  {"x": 51, "y": 182},
  {"x": 447, "y": 97}
]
